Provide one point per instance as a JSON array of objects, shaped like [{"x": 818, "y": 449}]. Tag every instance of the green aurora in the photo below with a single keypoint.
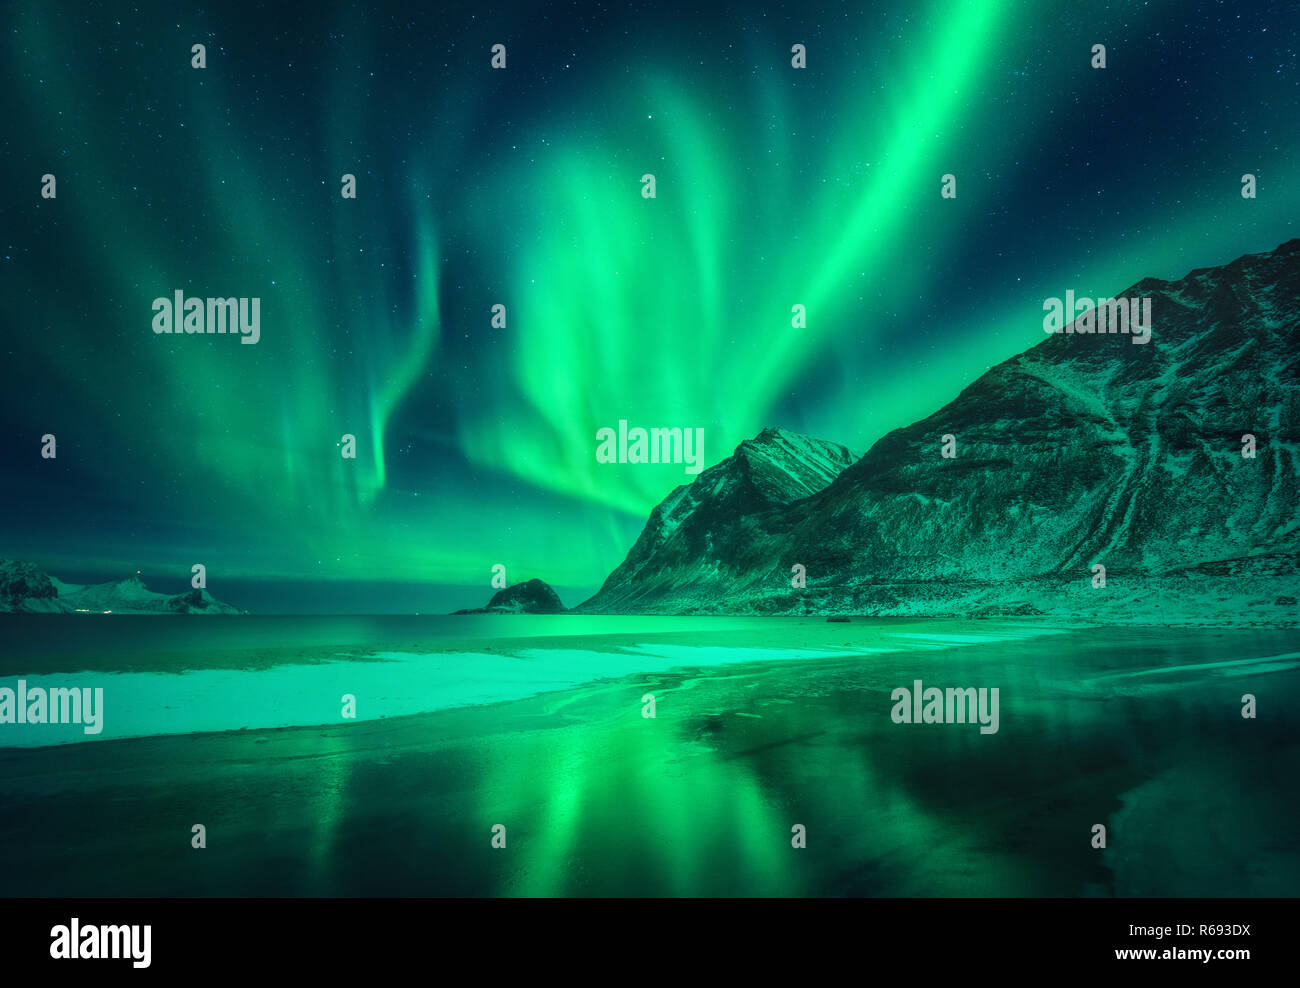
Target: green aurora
[{"x": 522, "y": 187}]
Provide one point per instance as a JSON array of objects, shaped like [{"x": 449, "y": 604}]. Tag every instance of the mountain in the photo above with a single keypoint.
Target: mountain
[
  {"x": 533, "y": 597},
  {"x": 1085, "y": 449},
  {"x": 24, "y": 588},
  {"x": 718, "y": 517}
]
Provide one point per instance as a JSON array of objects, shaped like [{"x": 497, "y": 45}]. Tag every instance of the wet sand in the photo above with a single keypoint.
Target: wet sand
[{"x": 700, "y": 800}]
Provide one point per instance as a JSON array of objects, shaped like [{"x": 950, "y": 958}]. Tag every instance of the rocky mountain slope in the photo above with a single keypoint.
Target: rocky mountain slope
[
  {"x": 720, "y": 515},
  {"x": 1086, "y": 449}
]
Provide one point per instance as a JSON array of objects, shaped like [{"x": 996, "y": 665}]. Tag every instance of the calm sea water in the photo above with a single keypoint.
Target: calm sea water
[{"x": 535, "y": 724}]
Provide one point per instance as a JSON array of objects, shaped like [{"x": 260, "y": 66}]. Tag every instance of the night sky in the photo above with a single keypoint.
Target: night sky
[{"x": 522, "y": 186}]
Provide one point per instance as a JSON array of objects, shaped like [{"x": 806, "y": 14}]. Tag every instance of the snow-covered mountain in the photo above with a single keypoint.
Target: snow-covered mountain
[
  {"x": 24, "y": 588},
  {"x": 718, "y": 517},
  {"x": 1086, "y": 449}
]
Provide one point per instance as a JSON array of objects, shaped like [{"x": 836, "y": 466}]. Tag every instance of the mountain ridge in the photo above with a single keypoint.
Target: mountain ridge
[{"x": 1081, "y": 450}]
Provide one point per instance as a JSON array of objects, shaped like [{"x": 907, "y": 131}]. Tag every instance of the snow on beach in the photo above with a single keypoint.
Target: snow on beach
[{"x": 144, "y": 704}]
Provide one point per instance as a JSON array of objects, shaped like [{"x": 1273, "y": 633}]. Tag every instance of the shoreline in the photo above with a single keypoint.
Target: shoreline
[
  {"x": 384, "y": 683},
  {"x": 699, "y": 801}
]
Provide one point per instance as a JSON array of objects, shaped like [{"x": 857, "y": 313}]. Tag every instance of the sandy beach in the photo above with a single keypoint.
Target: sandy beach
[{"x": 700, "y": 800}]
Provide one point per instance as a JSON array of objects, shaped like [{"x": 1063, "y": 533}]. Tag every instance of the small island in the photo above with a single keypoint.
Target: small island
[{"x": 532, "y": 597}]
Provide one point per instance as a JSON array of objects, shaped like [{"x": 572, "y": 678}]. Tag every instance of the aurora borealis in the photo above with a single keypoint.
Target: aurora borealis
[{"x": 775, "y": 186}]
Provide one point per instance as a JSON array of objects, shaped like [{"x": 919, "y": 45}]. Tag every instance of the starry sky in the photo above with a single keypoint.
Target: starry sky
[{"x": 522, "y": 187}]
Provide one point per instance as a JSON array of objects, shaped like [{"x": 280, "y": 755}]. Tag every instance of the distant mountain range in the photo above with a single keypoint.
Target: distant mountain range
[
  {"x": 25, "y": 588},
  {"x": 1084, "y": 450}
]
